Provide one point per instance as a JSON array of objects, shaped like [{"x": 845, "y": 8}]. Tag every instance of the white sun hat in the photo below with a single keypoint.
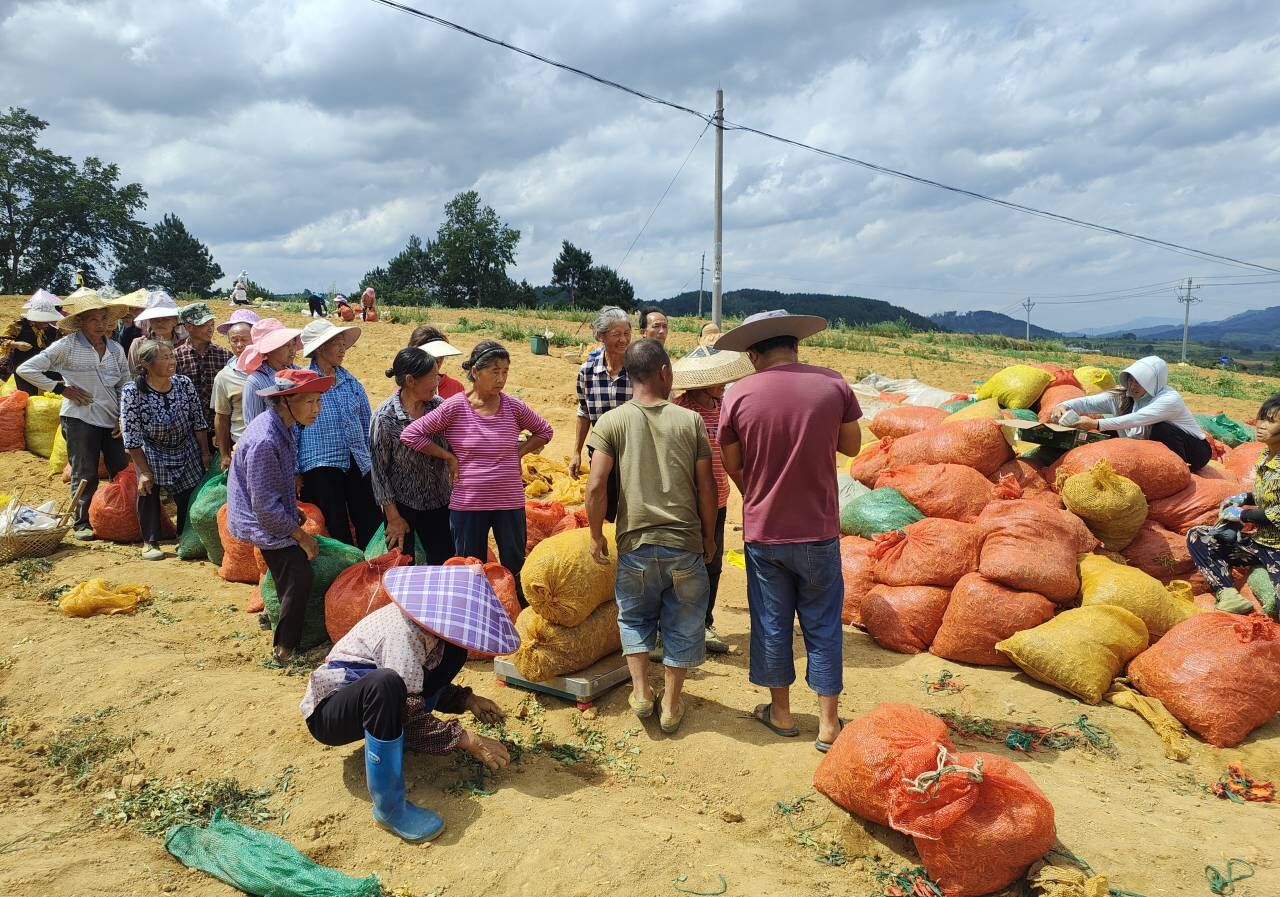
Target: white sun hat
[{"x": 320, "y": 331}]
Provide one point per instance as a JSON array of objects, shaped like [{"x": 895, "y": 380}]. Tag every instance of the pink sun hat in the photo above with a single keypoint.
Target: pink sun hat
[
  {"x": 455, "y": 603},
  {"x": 266, "y": 336},
  {"x": 239, "y": 316}
]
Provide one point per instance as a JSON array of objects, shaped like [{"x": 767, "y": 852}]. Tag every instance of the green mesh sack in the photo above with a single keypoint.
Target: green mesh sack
[
  {"x": 332, "y": 559},
  {"x": 879, "y": 511},
  {"x": 1024, "y": 414},
  {"x": 260, "y": 863},
  {"x": 190, "y": 545},
  {"x": 849, "y": 489},
  {"x": 1264, "y": 589},
  {"x": 953, "y": 407},
  {"x": 1225, "y": 429},
  {"x": 203, "y": 515},
  {"x": 377, "y": 547}
]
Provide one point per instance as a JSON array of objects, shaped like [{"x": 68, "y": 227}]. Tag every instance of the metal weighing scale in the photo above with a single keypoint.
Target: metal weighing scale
[{"x": 581, "y": 688}]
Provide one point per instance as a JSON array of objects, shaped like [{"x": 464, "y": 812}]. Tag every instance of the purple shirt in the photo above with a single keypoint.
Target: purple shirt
[{"x": 262, "y": 506}]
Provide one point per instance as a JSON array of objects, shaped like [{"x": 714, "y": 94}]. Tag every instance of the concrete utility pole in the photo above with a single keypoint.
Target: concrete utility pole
[
  {"x": 1186, "y": 298},
  {"x": 702, "y": 273},
  {"x": 717, "y": 263},
  {"x": 1028, "y": 305}
]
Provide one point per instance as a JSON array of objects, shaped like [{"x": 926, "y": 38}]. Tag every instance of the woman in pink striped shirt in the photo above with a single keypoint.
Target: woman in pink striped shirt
[{"x": 483, "y": 428}]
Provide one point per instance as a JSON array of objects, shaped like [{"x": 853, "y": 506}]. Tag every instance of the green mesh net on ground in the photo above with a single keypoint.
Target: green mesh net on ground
[{"x": 1225, "y": 429}]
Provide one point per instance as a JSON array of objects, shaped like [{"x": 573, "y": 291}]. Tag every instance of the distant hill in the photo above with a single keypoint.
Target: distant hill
[
  {"x": 989, "y": 322},
  {"x": 853, "y": 311},
  {"x": 1254, "y": 329},
  {"x": 1137, "y": 324}
]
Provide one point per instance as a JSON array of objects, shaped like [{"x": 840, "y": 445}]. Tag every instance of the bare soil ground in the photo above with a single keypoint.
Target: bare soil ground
[{"x": 607, "y": 806}]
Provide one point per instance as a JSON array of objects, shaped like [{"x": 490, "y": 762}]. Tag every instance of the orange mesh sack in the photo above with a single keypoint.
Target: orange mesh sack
[
  {"x": 979, "y": 444},
  {"x": 1061, "y": 376},
  {"x": 504, "y": 586},
  {"x": 904, "y": 619},
  {"x": 540, "y": 519},
  {"x": 1195, "y": 505},
  {"x": 903, "y": 420},
  {"x": 357, "y": 592},
  {"x": 237, "y": 556},
  {"x": 113, "y": 512},
  {"x": 940, "y": 490},
  {"x": 978, "y": 822},
  {"x": 1242, "y": 460},
  {"x": 1056, "y": 395},
  {"x": 1159, "y": 552},
  {"x": 1156, "y": 469},
  {"x": 312, "y": 522},
  {"x": 1214, "y": 470},
  {"x": 981, "y": 613},
  {"x": 857, "y": 565},
  {"x": 1031, "y": 548},
  {"x": 870, "y": 462},
  {"x": 1218, "y": 673},
  {"x": 1112, "y": 505},
  {"x": 873, "y": 752},
  {"x": 929, "y": 552},
  {"x": 13, "y": 421}
]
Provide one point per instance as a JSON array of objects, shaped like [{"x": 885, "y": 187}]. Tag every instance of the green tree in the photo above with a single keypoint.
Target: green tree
[
  {"x": 605, "y": 286},
  {"x": 169, "y": 256},
  {"x": 471, "y": 252},
  {"x": 412, "y": 274},
  {"x": 55, "y": 216},
  {"x": 571, "y": 270}
]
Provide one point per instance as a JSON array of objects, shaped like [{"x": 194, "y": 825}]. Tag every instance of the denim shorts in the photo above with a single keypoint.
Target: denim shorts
[{"x": 667, "y": 586}]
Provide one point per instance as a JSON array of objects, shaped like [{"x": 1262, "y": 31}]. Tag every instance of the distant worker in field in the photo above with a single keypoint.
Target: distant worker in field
[
  {"x": 368, "y": 303},
  {"x": 709, "y": 334},
  {"x": 779, "y": 431},
  {"x": 666, "y": 527},
  {"x": 653, "y": 324},
  {"x": 602, "y": 386},
  {"x": 240, "y": 289},
  {"x": 1143, "y": 406},
  {"x": 345, "y": 312}
]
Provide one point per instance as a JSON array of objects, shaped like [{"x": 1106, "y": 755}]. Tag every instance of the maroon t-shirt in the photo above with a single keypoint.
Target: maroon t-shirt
[{"x": 788, "y": 419}]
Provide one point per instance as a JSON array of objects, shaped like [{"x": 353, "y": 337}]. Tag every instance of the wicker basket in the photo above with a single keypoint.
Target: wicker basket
[{"x": 38, "y": 543}]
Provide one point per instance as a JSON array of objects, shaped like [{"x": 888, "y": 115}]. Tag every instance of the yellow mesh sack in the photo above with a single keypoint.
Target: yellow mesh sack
[
  {"x": 8, "y": 386},
  {"x": 1103, "y": 581},
  {"x": 1079, "y": 651},
  {"x": 42, "y": 423},
  {"x": 1094, "y": 379},
  {"x": 988, "y": 409},
  {"x": 1017, "y": 386},
  {"x": 97, "y": 596},
  {"x": 58, "y": 455},
  {"x": 548, "y": 650},
  {"x": 561, "y": 579},
  {"x": 1112, "y": 506}
]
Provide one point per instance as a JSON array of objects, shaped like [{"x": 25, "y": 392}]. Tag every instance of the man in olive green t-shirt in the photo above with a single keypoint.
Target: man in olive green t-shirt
[{"x": 666, "y": 526}]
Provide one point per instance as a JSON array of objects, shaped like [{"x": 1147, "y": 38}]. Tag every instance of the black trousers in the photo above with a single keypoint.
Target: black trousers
[
  {"x": 374, "y": 703},
  {"x": 431, "y": 529},
  {"x": 293, "y": 577},
  {"x": 612, "y": 488},
  {"x": 717, "y": 563},
  {"x": 85, "y": 443},
  {"x": 150, "y": 512},
  {"x": 1195, "y": 451},
  {"x": 344, "y": 497},
  {"x": 315, "y": 304}
]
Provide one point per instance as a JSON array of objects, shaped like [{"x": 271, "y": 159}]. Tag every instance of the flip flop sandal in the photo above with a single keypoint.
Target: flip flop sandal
[
  {"x": 824, "y": 746},
  {"x": 764, "y": 714}
]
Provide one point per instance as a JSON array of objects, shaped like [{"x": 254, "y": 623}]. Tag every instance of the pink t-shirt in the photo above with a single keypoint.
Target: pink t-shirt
[
  {"x": 488, "y": 449},
  {"x": 788, "y": 420}
]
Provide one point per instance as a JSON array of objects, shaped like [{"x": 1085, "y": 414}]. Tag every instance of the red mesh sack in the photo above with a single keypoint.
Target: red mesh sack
[
  {"x": 567, "y": 522},
  {"x": 254, "y": 605},
  {"x": 1009, "y": 488},
  {"x": 857, "y": 565},
  {"x": 113, "y": 511},
  {"x": 1056, "y": 394},
  {"x": 357, "y": 592},
  {"x": 870, "y": 464},
  {"x": 13, "y": 421},
  {"x": 978, "y": 443},
  {"x": 1218, "y": 673},
  {"x": 1215, "y": 472},
  {"x": 929, "y": 552},
  {"x": 1242, "y": 460},
  {"x": 1159, "y": 552},
  {"x": 981, "y": 613},
  {"x": 313, "y": 523},
  {"x": 1194, "y": 505},
  {"x": 940, "y": 490},
  {"x": 978, "y": 822},
  {"x": 903, "y": 420},
  {"x": 1061, "y": 377},
  {"x": 237, "y": 556},
  {"x": 504, "y": 585},
  {"x": 1033, "y": 548},
  {"x": 906, "y": 618},
  {"x": 1158, "y": 472},
  {"x": 873, "y": 752},
  {"x": 893, "y": 398},
  {"x": 540, "y": 518}
]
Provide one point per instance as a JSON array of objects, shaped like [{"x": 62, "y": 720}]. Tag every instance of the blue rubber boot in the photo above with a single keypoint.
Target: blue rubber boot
[{"x": 384, "y": 771}]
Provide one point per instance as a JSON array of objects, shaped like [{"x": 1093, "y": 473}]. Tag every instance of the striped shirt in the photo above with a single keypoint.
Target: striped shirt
[
  {"x": 340, "y": 434},
  {"x": 487, "y": 448},
  {"x": 711, "y": 417},
  {"x": 80, "y": 365},
  {"x": 413, "y": 479},
  {"x": 597, "y": 391}
]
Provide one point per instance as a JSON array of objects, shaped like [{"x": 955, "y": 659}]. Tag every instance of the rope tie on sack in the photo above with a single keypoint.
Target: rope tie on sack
[{"x": 929, "y": 781}]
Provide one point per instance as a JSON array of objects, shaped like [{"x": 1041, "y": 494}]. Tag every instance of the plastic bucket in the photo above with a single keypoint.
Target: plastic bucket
[{"x": 538, "y": 344}]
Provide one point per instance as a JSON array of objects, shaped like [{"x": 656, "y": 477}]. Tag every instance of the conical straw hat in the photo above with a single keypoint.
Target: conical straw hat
[{"x": 705, "y": 366}]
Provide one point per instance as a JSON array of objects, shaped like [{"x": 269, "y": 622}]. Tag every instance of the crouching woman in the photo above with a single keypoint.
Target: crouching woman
[{"x": 385, "y": 680}]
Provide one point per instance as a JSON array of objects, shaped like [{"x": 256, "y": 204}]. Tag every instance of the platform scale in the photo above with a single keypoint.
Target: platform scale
[{"x": 581, "y": 688}]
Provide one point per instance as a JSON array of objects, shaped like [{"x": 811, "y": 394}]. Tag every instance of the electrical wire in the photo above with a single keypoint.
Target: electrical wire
[{"x": 671, "y": 184}]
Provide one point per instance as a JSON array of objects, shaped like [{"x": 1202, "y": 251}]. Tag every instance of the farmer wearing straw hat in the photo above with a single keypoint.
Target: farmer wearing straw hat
[
  {"x": 271, "y": 349},
  {"x": 159, "y": 321},
  {"x": 779, "y": 430},
  {"x": 261, "y": 505},
  {"x": 93, "y": 369},
  {"x": 385, "y": 680},
  {"x": 127, "y": 329},
  {"x": 228, "y": 387},
  {"x": 199, "y": 358},
  {"x": 333, "y": 453},
  {"x": 702, "y": 374},
  {"x": 32, "y": 332}
]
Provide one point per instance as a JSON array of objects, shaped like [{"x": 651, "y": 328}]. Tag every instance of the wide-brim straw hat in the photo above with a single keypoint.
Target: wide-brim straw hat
[
  {"x": 438, "y": 348},
  {"x": 768, "y": 324},
  {"x": 454, "y": 603},
  {"x": 705, "y": 367},
  {"x": 319, "y": 332},
  {"x": 296, "y": 381},
  {"x": 75, "y": 308},
  {"x": 135, "y": 300}
]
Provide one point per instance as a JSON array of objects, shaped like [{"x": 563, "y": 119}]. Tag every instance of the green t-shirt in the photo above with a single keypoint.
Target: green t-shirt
[{"x": 655, "y": 449}]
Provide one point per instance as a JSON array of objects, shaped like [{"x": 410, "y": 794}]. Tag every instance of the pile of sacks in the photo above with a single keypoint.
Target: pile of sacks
[
  {"x": 550, "y": 480},
  {"x": 547, "y": 518},
  {"x": 1070, "y": 572}
]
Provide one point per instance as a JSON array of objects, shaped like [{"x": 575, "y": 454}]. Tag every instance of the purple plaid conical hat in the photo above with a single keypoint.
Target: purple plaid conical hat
[{"x": 455, "y": 603}]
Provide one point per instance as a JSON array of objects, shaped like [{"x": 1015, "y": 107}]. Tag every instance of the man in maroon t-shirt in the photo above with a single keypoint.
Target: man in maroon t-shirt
[{"x": 780, "y": 430}]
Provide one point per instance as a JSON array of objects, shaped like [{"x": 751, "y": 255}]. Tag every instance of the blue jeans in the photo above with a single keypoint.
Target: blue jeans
[
  {"x": 667, "y": 586},
  {"x": 804, "y": 580},
  {"x": 471, "y": 538}
]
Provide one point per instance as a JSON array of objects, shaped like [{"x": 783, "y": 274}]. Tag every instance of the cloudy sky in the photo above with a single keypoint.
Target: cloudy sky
[{"x": 304, "y": 140}]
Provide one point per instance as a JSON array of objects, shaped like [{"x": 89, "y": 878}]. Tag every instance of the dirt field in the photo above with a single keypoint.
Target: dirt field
[{"x": 608, "y": 806}]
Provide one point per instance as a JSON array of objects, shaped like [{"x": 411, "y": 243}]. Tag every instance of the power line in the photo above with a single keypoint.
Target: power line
[{"x": 671, "y": 184}]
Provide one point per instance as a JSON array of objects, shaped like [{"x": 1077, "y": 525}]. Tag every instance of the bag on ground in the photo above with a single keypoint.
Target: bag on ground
[
  {"x": 332, "y": 558},
  {"x": 562, "y": 581},
  {"x": 13, "y": 422},
  {"x": 1195, "y": 505},
  {"x": 1017, "y": 386},
  {"x": 203, "y": 513},
  {"x": 1159, "y": 552},
  {"x": 878, "y": 511},
  {"x": 1158, "y": 472},
  {"x": 870, "y": 462},
  {"x": 903, "y": 420},
  {"x": 1240, "y": 461},
  {"x": 238, "y": 564},
  {"x": 940, "y": 490},
  {"x": 312, "y": 524},
  {"x": 1061, "y": 376},
  {"x": 1055, "y": 396},
  {"x": 987, "y": 409},
  {"x": 548, "y": 650},
  {"x": 904, "y": 618},
  {"x": 929, "y": 552},
  {"x": 1033, "y": 548},
  {"x": 1112, "y": 505},
  {"x": 847, "y": 489},
  {"x": 857, "y": 566},
  {"x": 1094, "y": 380},
  {"x": 1079, "y": 651},
  {"x": 59, "y": 463},
  {"x": 1263, "y": 589},
  {"x": 377, "y": 547},
  {"x": 1230, "y": 432},
  {"x": 982, "y": 613},
  {"x": 1218, "y": 673},
  {"x": 41, "y": 425},
  {"x": 540, "y": 519},
  {"x": 113, "y": 511},
  {"x": 979, "y": 444},
  {"x": 1103, "y": 581},
  {"x": 190, "y": 545},
  {"x": 357, "y": 592}
]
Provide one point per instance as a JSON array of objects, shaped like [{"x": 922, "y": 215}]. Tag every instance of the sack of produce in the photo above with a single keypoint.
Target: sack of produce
[
  {"x": 1017, "y": 386},
  {"x": 13, "y": 422},
  {"x": 312, "y": 524},
  {"x": 377, "y": 547},
  {"x": 548, "y": 649},
  {"x": 870, "y": 462},
  {"x": 237, "y": 564},
  {"x": 1230, "y": 432},
  {"x": 1095, "y": 379},
  {"x": 190, "y": 546},
  {"x": 540, "y": 519},
  {"x": 1159, "y": 552},
  {"x": 1158, "y": 472},
  {"x": 1241, "y": 461},
  {"x": 982, "y": 613},
  {"x": 940, "y": 490},
  {"x": 113, "y": 511},
  {"x": 903, "y": 420},
  {"x": 929, "y": 552},
  {"x": 906, "y": 618},
  {"x": 357, "y": 592},
  {"x": 333, "y": 558},
  {"x": 979, "y": 444},
  {"x": 857, "y": 566},
  {"x": 504, "y": 586},
  {"x": 41, "y": 424},
  {"x": 1055, "y": 396},
  {"x": 1103, "y": 581},
  {"x": 847, "y": 489},
  {"x": 1061, "y": 376},
  {"x": 563, "y": 582},
  {"x": 987, "y": 409},
  {"x": 1194, "y": 505},
  {"x": 1030, "y": 547},
  {"x": 1112, "y": 505},
  {"x": 879, "y": 511}
]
